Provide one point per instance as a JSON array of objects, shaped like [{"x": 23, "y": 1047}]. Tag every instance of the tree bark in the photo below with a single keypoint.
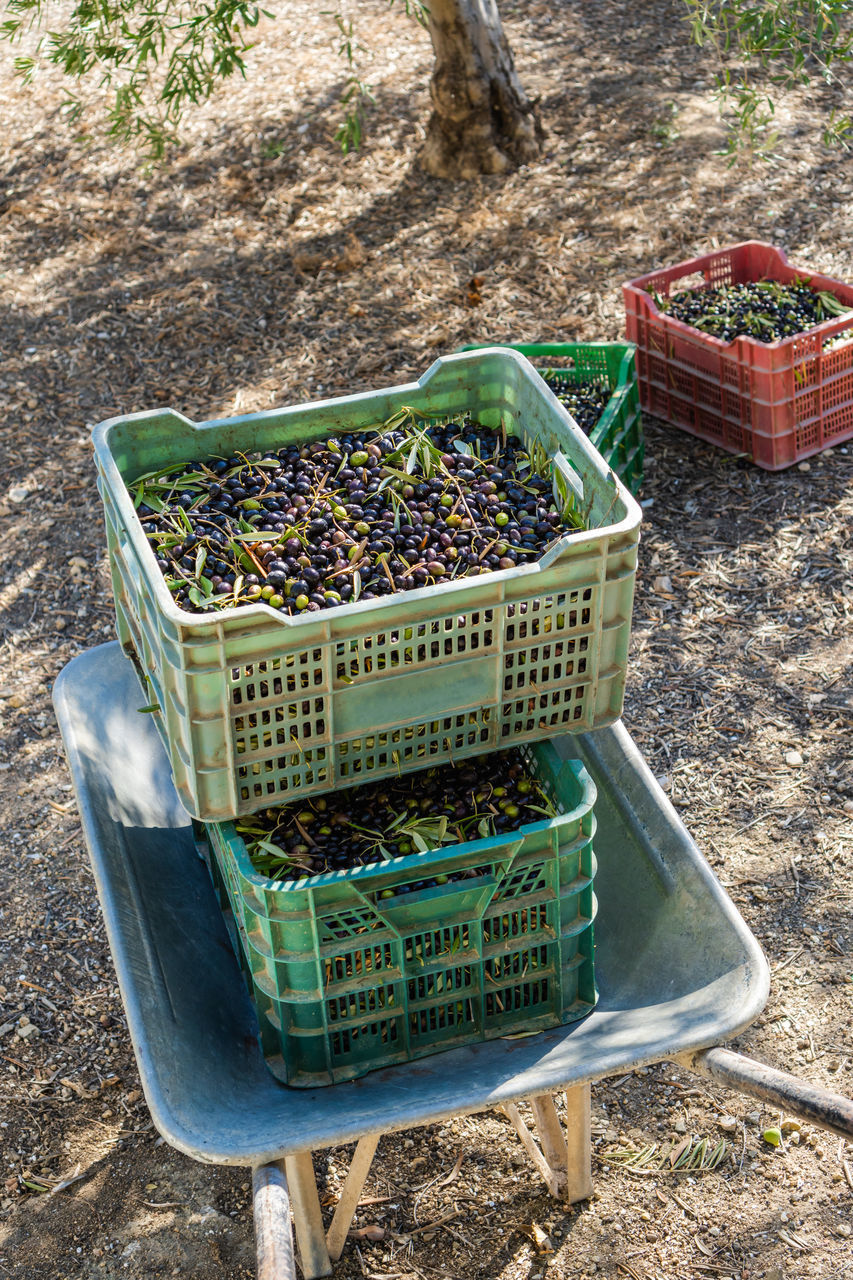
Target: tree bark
[{"x": 482, "y": 120}]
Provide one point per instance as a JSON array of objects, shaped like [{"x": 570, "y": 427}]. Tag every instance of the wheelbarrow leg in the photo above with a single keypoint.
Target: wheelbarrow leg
[
  {"x": 275, "y": 1186},
  {"x": 307, "y": 1217},
  {"x": 274, "y": 1220},
  {"x": 551, "y": 1177},
  {"x": 578, "y": 1143},
  {"x": 564, "y": 1160},
  {"x": 552, "y": 1140},
  {"x": 362, "y": 1159}
]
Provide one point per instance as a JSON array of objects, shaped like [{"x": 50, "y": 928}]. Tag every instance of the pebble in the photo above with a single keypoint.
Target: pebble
[
  {"x": 793, "y": 758},
  {"x": 843, "y": 1229},
  {"x": 18, "y": 493},
  {"x": 728, "y": 1124}
]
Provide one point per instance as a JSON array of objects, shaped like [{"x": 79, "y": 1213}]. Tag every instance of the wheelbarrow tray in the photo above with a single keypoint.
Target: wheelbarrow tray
[{"x": 676, "y": 966}]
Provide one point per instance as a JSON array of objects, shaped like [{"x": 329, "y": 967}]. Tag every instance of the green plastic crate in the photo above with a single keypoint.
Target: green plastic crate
[
  {"x": 256, "y": 708},
  {"x": 345, "y": 981},
  {"x": 618, "y": 434}
]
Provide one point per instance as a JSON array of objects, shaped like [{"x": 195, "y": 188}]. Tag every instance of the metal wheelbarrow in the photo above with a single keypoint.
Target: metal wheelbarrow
[{"x": 677, "y": 969}]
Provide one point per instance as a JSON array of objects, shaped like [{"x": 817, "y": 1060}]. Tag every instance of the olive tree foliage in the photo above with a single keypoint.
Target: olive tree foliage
[
  {"x": 765, "y": 48},
  {"x": 158, "y": 58}
]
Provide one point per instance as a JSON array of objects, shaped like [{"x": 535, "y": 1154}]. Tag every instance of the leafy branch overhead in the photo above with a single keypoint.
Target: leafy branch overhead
[
  {"x": 157, "y": 60},
  {"x": 766, "y": 49}
]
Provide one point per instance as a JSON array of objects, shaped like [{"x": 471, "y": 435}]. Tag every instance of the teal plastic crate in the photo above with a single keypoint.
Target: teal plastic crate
[
  {"x": 255, "y": 708},
  {"x": 346, "y": 979},
  {"x": 618, "y": 434}
]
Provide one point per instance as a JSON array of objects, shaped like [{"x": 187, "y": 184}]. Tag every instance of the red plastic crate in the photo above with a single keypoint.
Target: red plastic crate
[{"x": 777, "y": 402}]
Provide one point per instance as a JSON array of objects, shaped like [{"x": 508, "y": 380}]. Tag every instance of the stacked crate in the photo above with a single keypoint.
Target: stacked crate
[
  {"x": 357, "y": 969},
  {"x": 610, "y": 367}
]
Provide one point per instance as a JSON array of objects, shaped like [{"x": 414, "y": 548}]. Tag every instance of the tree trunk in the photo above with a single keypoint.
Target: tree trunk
[{"x": 482, "y": 120}]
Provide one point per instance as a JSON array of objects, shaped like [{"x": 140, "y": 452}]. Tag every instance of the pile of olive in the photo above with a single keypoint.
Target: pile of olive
[
  {"x": 585, "y": 401},
  {"x": 446, "y": 804},
  {"x": 766, "y": 310},
  {"x": 356, "y": 517}
]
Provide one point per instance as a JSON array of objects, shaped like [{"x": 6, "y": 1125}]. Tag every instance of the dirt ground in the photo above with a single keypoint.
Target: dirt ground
[{"x": 261, "y": 268}]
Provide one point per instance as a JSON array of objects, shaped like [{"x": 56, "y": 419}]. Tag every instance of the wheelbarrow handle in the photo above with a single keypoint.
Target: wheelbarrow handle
[
  {"x": 797, "y": 1097},
  {"x": 273, "y": 1231}
]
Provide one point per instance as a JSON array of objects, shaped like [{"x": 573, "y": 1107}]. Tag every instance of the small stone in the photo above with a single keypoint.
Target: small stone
[
  {"x": 843, "y": 1229},
  {"x": 18, "y": 493},
  {"x": 793, "y": 758},
  {"x": 728, "y": 1124},
  {"x": 804, "y": 466},
  {"x": 680, "y": 1126},
  {"x": 790, "y": 1125}
]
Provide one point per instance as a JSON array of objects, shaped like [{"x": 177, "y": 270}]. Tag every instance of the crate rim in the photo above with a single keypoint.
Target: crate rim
[
  {"x": 539, "y": 348},
  {"x": 638, "y": 285},
  {"x": 348, "y": 613},
  {"x": 537, "y": 351},
  {"x": 404, "y": 863}
]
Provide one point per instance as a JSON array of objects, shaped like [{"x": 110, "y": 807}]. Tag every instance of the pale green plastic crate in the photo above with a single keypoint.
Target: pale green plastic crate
[
  {"x": 355, "y": 970},
  {"x": 256, "y": 708}
]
